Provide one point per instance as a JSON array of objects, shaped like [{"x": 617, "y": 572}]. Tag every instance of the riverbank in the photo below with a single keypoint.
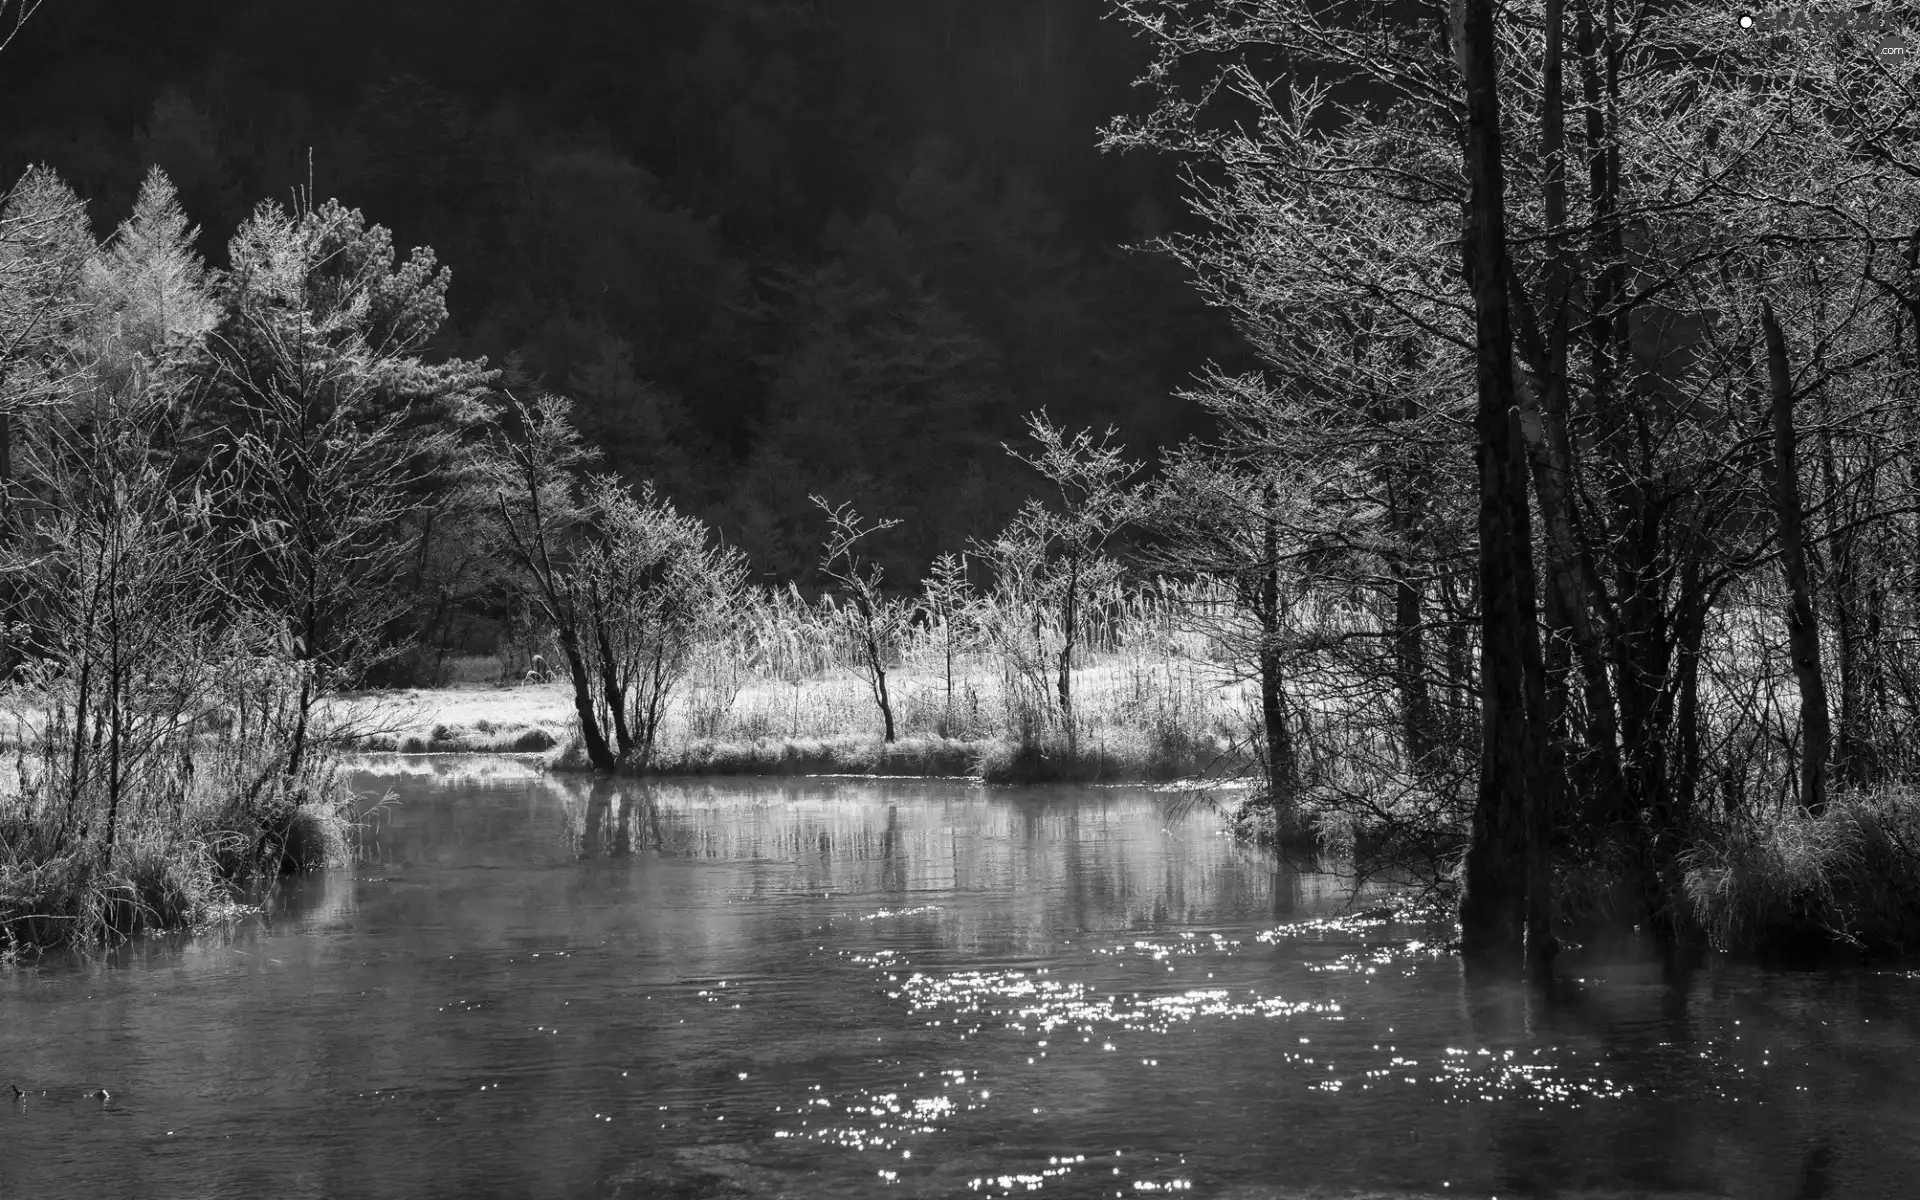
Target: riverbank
[
  {"x": 988, "y": 760},
  {"x": 1781, "y": 885},
  {"x": 182, "y": 858},
  {"x": 1128, "y": 742}
]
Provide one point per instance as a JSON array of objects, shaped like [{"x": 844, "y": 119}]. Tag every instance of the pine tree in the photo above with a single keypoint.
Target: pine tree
[
  {"x": 45, "y": 241},
  {"x": 149, "y": 287}
]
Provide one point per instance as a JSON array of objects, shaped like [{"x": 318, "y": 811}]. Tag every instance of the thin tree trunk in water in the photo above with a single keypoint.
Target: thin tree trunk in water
[
  {"x": 1803, "y": 631},
  {"x": 1282, "y": 764},
  {"x": 1409, "y": 650},
  {"x": 112, "y": 723},
  {"x": 1493, "y": 905},
  {"x": 9, "y": 656}
]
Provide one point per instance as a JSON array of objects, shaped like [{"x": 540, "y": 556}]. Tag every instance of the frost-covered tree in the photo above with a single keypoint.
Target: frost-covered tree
[
  {"x": 148, "y": 289},
  {"x": 1661, "y": 172},
  {"x": 319, "y": 401}
]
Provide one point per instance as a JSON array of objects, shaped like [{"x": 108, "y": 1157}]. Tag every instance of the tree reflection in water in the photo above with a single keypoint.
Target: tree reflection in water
[{"x": 605, "y": 828}]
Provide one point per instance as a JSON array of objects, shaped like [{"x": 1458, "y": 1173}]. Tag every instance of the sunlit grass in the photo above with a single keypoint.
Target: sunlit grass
[
  {"x": 189, "y": 845},
  {"x": 1136, "y": 720}
]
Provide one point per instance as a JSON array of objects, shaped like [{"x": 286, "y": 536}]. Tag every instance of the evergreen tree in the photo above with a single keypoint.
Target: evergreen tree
[{"x": 148, "y": 289}]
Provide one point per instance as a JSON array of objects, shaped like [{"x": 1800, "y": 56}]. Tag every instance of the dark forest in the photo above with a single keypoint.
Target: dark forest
[{"x": 767, "y": 248}]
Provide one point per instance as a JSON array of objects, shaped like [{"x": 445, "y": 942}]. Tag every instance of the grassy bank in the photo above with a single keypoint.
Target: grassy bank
[
  {"x": 1802, "y": 886},
  {"x": 1138, "y": 722},
  {"x": 186, "y": 849},
  {"x": 991, "y": 760},
  {"x": 1765, "y": 879}
]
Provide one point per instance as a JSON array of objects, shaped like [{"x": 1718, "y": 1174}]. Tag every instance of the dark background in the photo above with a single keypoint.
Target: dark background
[{"x": 769, "y": 247}]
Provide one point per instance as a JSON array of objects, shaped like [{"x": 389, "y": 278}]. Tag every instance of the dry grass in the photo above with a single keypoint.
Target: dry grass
[
  {"x": 1139, "y": 720},
  {"x": 199, "y": 812},
  {"x": 475, "y": 718},
  {"x": 176, "y": 864},
  {"x": 1801, "y": 886},
  {"x": 935, "y": 757}
]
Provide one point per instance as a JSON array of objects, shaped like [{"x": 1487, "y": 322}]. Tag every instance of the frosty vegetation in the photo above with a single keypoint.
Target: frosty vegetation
[{"x": 1570, "y": 520}]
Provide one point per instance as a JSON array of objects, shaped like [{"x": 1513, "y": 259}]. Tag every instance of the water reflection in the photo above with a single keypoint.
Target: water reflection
[
  {"x": 614, "y": 810},
  {"x": 533, "y": 986}
]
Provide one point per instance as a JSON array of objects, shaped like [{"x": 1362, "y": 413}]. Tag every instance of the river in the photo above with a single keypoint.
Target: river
[{"x": 528, "y": 987}]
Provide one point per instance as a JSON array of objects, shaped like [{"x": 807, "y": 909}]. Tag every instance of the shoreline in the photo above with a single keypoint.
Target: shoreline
[{"x": 538, "y": 720}]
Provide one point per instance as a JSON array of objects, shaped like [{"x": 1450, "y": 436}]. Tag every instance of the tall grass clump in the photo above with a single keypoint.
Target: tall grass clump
[
  {"x": 193, "y": 809},
  {"x": 1806, "y": 885}
]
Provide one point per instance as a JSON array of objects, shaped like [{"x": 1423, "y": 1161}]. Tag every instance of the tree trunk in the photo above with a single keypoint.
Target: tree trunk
[
  {"x": 1461, "y": 684},
  {"x": 946, "y": 720},
  {"x": 880, "y": 685},
  {"x": 115, "y": 693},
  {"x": 1803, "y": 630},
  {"x": 10, "y": 656},
  {"x": 1852, "y": 741},
  {"x": 1493, "y": 905},
  {"x": 616, "y": 696},
  {"x": 598, "y": 752},
  {"x": 1409, "y": 649},
  {"x": 1070, "y": 622},
  {"x": 875, "y": 667},
  {"x": 1567, "y": 601},
  {"x": 298, "y": 754},
  {"x": 1282, "y": 763},
  {"x": 1687, "y": 783}
]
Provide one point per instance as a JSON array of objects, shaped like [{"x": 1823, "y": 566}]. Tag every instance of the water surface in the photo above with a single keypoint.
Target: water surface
[{"x": 532, "y": 987}]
